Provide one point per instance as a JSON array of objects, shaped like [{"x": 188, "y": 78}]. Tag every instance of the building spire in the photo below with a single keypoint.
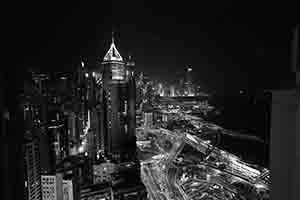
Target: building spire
[
  {"x": 112, "y": 37},
  {"x": 112, "y": 54}
]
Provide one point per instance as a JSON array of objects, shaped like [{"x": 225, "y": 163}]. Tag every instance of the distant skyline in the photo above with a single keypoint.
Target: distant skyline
[{"x": 230, "y": 44}]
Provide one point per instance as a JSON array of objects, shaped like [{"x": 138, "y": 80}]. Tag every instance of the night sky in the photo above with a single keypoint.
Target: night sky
[{"x": 231, "y": 45}]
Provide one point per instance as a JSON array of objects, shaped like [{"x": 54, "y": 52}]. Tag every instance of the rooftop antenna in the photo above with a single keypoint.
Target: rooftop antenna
[{"x": 112, "y": 37}]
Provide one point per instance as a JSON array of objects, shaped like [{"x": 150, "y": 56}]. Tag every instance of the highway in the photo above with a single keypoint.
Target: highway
[
  {"x": 163, "y": 185},
  {"x": 184, "y": 166}
]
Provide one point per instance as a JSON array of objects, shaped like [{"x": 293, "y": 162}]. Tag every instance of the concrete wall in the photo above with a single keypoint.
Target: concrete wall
[
  {"x": 297, "y": 166},
  {"x": 283, "y": 144}
]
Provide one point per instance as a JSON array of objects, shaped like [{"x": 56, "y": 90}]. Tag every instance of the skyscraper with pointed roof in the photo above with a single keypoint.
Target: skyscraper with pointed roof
[{"x": 119, "y": 89}]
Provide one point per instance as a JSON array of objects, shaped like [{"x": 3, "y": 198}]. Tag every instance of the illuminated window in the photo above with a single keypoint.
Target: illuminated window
[{"x": 118, "y": 72}]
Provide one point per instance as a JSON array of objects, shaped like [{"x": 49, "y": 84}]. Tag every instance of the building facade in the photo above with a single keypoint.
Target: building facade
[
  {"x": 32, "y": 170},
  {"x": 52, "y": 187},
  {"x": 68, "y": 190}
]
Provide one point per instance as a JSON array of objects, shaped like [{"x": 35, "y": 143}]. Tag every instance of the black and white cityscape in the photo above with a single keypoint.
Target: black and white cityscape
[{"x": 122, "y": 118}]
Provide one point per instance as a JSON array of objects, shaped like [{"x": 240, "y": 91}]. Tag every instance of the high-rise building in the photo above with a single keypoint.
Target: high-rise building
[
  {"x": 130, "y": 64},
  {"x": 160, "y": 90},
  {"x": 32, "y": 169},
  {"x": 148, "y": 119},
  {"x": 103, "y": 172},
  {"x": 72, "y": 131},
  {"x": 91, "y": 144},
  {"x": 119, "y": 98},
  {"x": 81, "y": 95},
  {"x": 172, "y": 91},
  {"x": 72, "y": 170},
  {"x": 188, "y": 74},
  {"x": 68, "y": 190},
  {"x": 131, "y": 116},
  {"x": 188, "y": 88},
  {"x": 58, "y": 141},
  {"x": 52, "y": 187},
  {"x": 284, "y": 148},
  {"x": 41, "y": 82}
]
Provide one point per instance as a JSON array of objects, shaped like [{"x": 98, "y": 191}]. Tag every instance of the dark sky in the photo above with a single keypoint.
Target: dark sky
[{"x": 230, "y": 44}]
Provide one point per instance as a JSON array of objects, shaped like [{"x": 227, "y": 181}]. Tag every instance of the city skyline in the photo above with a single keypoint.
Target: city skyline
[
  {"x": 149, "y": 100},
  {"x": 218, "y": 41}
]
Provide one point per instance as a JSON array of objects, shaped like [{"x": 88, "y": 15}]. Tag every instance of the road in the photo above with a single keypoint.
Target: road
[{"x": 161, "y": 179}]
